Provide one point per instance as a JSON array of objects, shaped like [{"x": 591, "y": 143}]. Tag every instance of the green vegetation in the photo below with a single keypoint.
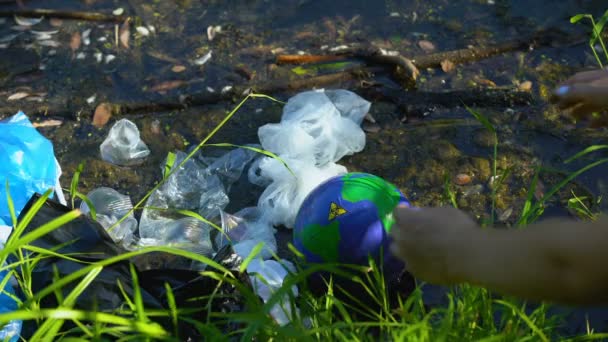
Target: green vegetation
[{"x": 374, "y": 313}]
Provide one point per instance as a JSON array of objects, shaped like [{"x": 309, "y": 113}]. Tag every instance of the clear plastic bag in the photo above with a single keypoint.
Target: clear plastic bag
[
  {"x": 123, "y": 146},
  {"x": 267, "y": 276},
  {"x": 317, "y": 129},
  {"x": 244, "y": 230}
]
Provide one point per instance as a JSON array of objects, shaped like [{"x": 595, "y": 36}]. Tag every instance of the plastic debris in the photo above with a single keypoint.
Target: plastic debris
[
  {"x": 200, "y": 186},
  {"x": 28, "y": 166},
  {"x": 111, "y": 206},
  {"x": 317, "y": 129},
  {"x": 244, "y": 230},
  {"x": 123, "y": 145},
  {"x": 267, "y": 276},
  {"x": 27, "y": 163}
]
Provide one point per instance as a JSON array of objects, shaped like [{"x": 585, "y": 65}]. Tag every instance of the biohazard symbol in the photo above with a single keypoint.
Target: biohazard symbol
[{"x": 335, "y": 211}]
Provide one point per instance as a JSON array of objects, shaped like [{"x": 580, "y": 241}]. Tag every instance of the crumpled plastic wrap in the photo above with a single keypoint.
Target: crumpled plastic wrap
[
  {"x": 110, "y": 206},
  {"x": 244, "y": 230},
  {"x": 123, "y": 145},
  {"x": 199, "y": 186},
  {"x": 317, "y": 129},
  {"x": 267, "y": 276}
]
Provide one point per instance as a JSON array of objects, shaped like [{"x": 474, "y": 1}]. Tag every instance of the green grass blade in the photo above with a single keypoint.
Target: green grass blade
[
  {"x": 46, "y": 228},
  {"x": 585, "y": 152},
  {"x": 50, "y": 328},
  {"x": 525, "y": 318},
  {"x": 254, "y": 252},
  {"x": 172, "y": 308},
  {"x": 138, "y": 300},
  {"x": 11, "y": 204}
]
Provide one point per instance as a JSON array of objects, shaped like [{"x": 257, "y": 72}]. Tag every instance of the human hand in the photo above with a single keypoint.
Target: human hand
[
  {"x": 431, "y": 242},
  {"x": 584, "y": 93}
]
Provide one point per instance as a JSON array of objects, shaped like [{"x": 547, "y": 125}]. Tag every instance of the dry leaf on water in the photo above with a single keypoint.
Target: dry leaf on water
[
  {"x": 47, "y": 123},
  {"x": 525, "y": 86},
  {"x": 178, "y": 68},
  {"x": 167, "y": 85},
  {"x": 426, "y": 46},
  {"x": 125, "y": 34},
  {"x": 102, "y": 114},
  {"x": 462, "y": 179},
  {"x": 18, "y": 96},
  {"x": 447, "y": 66}
]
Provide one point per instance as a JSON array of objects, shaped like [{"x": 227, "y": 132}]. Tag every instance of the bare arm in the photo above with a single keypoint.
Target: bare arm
[{"x": 556, "y": 260}]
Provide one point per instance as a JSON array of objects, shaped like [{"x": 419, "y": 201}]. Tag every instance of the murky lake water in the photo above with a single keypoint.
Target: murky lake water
[{"x": 66, "y": 68}]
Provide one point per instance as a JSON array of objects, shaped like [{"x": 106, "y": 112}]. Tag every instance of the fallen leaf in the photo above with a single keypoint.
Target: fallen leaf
[
  {"x": 75, "y": 41},
  {"x": 167, "y": 85},
  {"x": 525, "y": 86},
  {"x": 125, "y": 33},
  {"x": 426, "y": 46},
  {"x": 47, "y": 123},
  {"x": 102, "y": 114},
  {"x": 178, "y": 68},
  {"x": 447, "y": 66},
  {"x": 485, "y": 82},
  {"x": 462, "y": 179},
  {"x": 18, "y": 96}
]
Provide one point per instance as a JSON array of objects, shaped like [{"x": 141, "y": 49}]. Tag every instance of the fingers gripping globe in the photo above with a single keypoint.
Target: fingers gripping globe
[{"x": 347, "y": 219}]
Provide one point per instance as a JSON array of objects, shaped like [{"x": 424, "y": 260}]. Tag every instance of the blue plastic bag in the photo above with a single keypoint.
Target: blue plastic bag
[
  {"x": 28, "y": 164},
  {"x": 27, "y": 161}
]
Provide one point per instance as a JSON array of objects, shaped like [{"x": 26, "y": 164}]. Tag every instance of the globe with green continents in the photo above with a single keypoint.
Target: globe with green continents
[{"x": 346, "y": 219}]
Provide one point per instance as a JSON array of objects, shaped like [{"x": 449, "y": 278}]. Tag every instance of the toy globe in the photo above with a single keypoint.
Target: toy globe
[{"x": 346, "y": 219}]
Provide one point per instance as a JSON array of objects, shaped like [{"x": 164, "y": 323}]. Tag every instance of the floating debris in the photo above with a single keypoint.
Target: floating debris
[
  {"x": 102, "y": 39},
  {"x": 142, "y": 30},
  {"x": 525, "y": 86},
  {"x": 49, "y": 43},
  {"x": 27, "y": 21},
  {"x": 47, "y": 123},
  {"x": 18, "y": 96},
  {"x": 178, "y": 68},
  {"x": 212, "y": 31},
  {"x": 226, "y": 89},
  {"x": 167, "y": 85},
  {"x": 86, "y": 36},
  {"x": 81, "y": 55},
  {"x": 447, "y": 66},
  {"x": 204, "y": 59},
  {"x": 91, "y": 99},
  {"x": 44, "y": 35},
  {"x": 426, "y": 46},
  {"x": 102, "y": 114},
  {"x": 98, "y": 56},
  {"x": 118, "y": 11},
  {"x": 462, "y": 179},
  {"x": 109, "y": 58},
  {"x": 211, "y": 90}
]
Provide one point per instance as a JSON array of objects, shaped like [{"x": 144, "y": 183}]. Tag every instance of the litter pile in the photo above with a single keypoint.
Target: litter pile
[{"x": 316, "y": 130}]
